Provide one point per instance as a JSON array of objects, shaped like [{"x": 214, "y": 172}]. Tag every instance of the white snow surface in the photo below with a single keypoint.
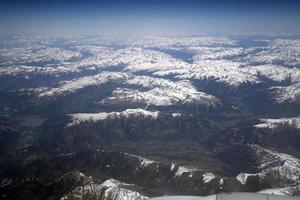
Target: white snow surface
[
  {"x": 144, "y": 162},
  {"x": 95, "y": 117},
  {"x": 79, "y": 83},
  {"x": 286, "y": 165},
  {"x": 181, "y": 170},
  {"x": 113, "y": 189},
  {"x": 207, "y": 177},
  {"x": 287, "y": 94},
  {"x": 242, "y": 177},
  {"x": 278, "y": 191},
  {"x": 161, "y": 92},
  {"x": 217, "y": 59},
  {"x": 273, "y": 123}
]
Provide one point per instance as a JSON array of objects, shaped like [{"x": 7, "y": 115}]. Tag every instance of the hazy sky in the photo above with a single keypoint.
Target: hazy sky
[{"x": 152, "y": 16}]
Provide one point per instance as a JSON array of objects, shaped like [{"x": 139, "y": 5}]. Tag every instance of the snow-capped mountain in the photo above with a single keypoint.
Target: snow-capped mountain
[
  {"x": 109, "y": 189},
  {"x": 72, "y": 86},
  {"x": 83, "y": 117},
  {"x": 230, "y": 65},
  {"x": 273, "y": 123},
  {"x": 137, "y": 117}
]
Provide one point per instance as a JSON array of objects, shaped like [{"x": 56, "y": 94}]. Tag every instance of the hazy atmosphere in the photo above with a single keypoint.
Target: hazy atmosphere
[{"x": 153, "y": 16}]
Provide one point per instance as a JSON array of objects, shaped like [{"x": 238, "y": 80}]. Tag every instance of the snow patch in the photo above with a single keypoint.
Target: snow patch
[
  {"x": 95, "y": 117},
  {"x": 207, "y": 177},
  {"x": 242, "y": 177},
  {"x": 181, "y": 170},
  {"x": 172, "y": 166},
  {"x": 144, "y": 162},
  {"x": 278, "y": 191},
  {"x": 82, "y": 82},
  {"x": 273, "y": 123},
  {"x": 112, "y": 188}
]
